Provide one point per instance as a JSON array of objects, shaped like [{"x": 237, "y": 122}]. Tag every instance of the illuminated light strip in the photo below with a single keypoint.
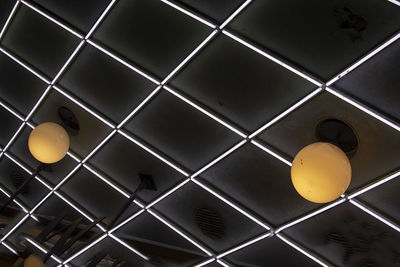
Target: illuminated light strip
[
  {"x": 35, "y": 107},
  {"x": 72, "y": 172},
  {"x": 12, "y": 139},
  {"x": 234, "y": 14},
  {"x": 15, "y": 227},
  {"x": 12, "y": 13},
  {"x": 190, "y": 56},
  {"x": 65, "y": 27},
  {"x": 40, "y": 202},
  {"x": 190, "y": 14},
  {"x": 180, "y": 232},
  {"x": 223, "y": 263},
  {"x": 86, "y": 248},
  {"x": 269, "y": 234},
  {"x": 25, "y": 66},
  {"x": 150, "y": 96},
  {"x": 286, "y": 112},
  {"x": 42, "y": 249},
  {"x": 101, "y": 118},
  {"x": 11, "y": 111},
  {"x": 373, "y": 185},
  {"x": 364, "y": 58},
  {"x": 169, "y": 192},
  {"x": 302, "y": 250},
  {"x": 397, "y": 3},
  {"x": 73, "y": 156},
  {"x": 14, "y": 200},
  {"x": 66, "y": 64},
  {"x": 365, "y": 109},
  {"x": 218, "y": 159},
  {"x": 128, "y": 247},
  {"x": 310, "y": 215},
  {"x": 272, "y": 153},
  {"x": 245, "y": 213},
  {"x": 153, "y": 153},
  {"x": 130, "y": 218},
  {"x": 205, "y": 262},
  {"x": 10, "y": 248},
  {"x": 123, "y": 62},
  {"x": 375, "y": 215},
  {"x": 202, "y": 110},
  {"x": 111, "y": 184},
  {"x": 100, "y": 19},
  {"x": 272, "y": 58},
  {"x": 108, "y": 137}
]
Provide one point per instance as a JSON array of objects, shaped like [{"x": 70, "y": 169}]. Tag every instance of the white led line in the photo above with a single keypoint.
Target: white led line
[
  {"x": 12, "y": 13},
  {"x": 65, "y": 27},
  {"x": 234, "y": 14},
  {"x": 302, "y": 250},
  {"x": 12, "y": 139},
  {"x": 397, "y": 3},
  {"x": 74, "y": 206},
  {"x": 42, "y": 249},
  {"x": 130, "y": 218},
  {"x": 272, "y": 58},
  {"x": 375, "y": 215},
  {"x": 105, "y": 140},
  {"x": 14, "y": 200},
  {"x": 202, "y": 110},
  {"x": 15, "y": 113},
  {"x": 86, "y": 248},
  {"x": 14, "y": 228},
  {"x": 190, "y": 14},
  {"x": 169, "y": 192},
  {"x": 242, "y": 211},
  {"x": 128, "y": 247},
  {"x": 364, "y": 59},
  {"x": 205, "y": 262},
  {"x": 10, "y": 248},
  {"x": 223, "y": 263},
  {"x": 272, "y": 153},
  {"x": 286, "y": 112},
  {"x": 180, "y": 232},
  {"x": 100, "y": 19},
  {"x": 365, "y": 109}
]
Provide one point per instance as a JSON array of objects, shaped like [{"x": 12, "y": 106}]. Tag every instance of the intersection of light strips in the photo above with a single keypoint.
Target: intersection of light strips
[{"x": 160, "y": 85}]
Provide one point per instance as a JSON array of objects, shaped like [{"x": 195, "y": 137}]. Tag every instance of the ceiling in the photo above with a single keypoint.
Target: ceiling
[{"x": 213, "y": 99}]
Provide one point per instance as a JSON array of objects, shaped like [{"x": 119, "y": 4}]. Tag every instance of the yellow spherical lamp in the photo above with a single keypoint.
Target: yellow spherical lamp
[
  {"x": 33, "y": 261},
  {"x": 48, "y": 142},
  {"x": 321, "y": 172}
]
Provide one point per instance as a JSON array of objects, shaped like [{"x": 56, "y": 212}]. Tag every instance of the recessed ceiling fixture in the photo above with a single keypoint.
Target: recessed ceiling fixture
[{"x": 321, "y": 172}]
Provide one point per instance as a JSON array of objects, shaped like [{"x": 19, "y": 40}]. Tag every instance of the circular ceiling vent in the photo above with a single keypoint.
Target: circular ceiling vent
[{"x": 210, "y": 223}]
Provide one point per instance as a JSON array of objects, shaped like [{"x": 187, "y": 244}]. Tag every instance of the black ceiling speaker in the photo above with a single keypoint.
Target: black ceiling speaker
[
  {"x": 338, "y": 133},
  {"x": 69, "y": 120},
  {"x": 210, "y": 223}
]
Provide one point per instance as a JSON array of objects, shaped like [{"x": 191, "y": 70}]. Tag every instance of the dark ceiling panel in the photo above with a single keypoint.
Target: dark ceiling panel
[
  {"x": 91, "y": 132},
  {"x": 104, "y": 83},
  {"x": 269, "y": 252},
  {"x": 130, "y": 160},
  {"x": 210, "y": 220},
  {"x": 324, "y": 37},
  {"x": 347, "y": 236},
  {"x": 375, "y": 156},
  {"x": 260, "y": 182},
  {"x": 181, "y": 132},
  {"x": 216, "y": 10},
  {"x": 81, "y": 14},
  {"x": 44, "y": 45},
  {"x": 376, "y": 82},
  {"x": 151, "y": 34},
  {"x": 12, "y": 123},
  {"x": 240, "y": 84},
  {"x": 5, "y": 9},
  {"x": 19, "y": 87},
  {"x": 158, "y": 242}
]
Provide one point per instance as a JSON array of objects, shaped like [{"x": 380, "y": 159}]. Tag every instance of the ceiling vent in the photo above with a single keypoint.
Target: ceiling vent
[
  {"x": 17, "y": 180},
  {"x": 210, "y": 223}
]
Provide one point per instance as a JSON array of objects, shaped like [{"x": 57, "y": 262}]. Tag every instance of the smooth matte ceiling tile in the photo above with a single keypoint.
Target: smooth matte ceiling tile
[
  {"x": 322, "y": 36},
  {"x": 375, "y": 156},
  {"x": 240, "y": 84},
  {"x": 181, "y": 132},
  {"x": 39, "y": 41},
  {"x": 260, "y": 182},
  {"x": 347, "y": 236},
  {"x": 130, "y": 160},
  {"x": 207, "y": 218},
  {"x": 20, "y": 88},
  {"x": 216, "y": 10},
  {"x": 152, "y": 34},
  {"x": 106, "y": 84},
  {"x": 81, "y": 14},
  {"x": 376, "y": 82}
]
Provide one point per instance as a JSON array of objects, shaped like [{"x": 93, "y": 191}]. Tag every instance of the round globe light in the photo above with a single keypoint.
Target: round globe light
[
  {"x": 33, "y": 261},
  {"x": 48, "y": 142},
  {"x": 321, "y": 172}
]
